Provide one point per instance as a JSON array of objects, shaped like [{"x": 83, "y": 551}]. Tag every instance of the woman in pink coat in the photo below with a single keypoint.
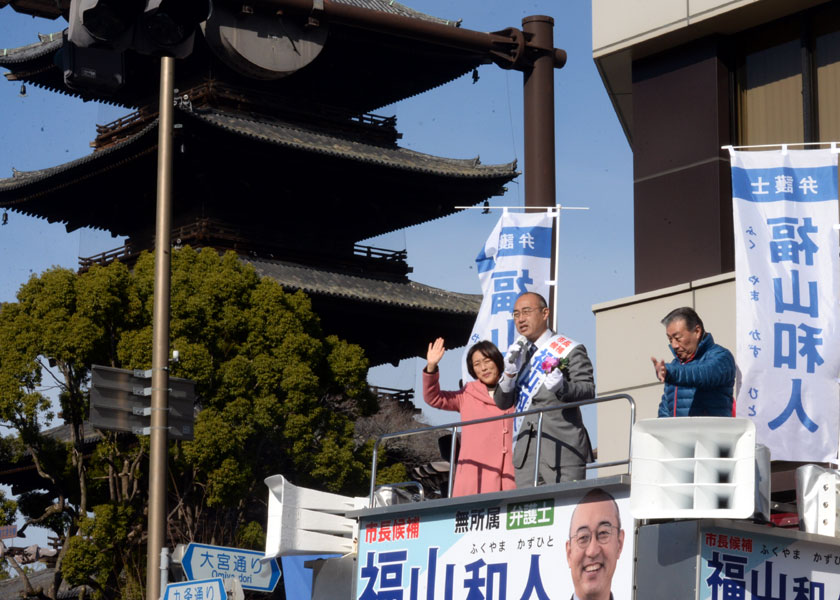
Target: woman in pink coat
[{"x": 485, "y": 463}]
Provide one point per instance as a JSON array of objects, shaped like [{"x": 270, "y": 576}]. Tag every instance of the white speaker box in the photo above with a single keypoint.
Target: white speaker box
[
  {"x": 304, "y": 521},
  {"x": 697, "y": 467}
]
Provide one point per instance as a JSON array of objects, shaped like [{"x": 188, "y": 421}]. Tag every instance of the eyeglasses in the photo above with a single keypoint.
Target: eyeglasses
[
  {"x": 525, "y": 312},
  {"x": 603, "y": 534}
]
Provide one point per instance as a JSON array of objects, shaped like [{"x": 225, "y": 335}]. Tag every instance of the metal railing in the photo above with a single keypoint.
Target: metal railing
[
  {"x": 401, "y": 396},
  {"x": 380, "y": 253},
  {"x": 453, "y": 427},
  {"x": 103, "y": 259},
  {"x": 221, "y": 235}
]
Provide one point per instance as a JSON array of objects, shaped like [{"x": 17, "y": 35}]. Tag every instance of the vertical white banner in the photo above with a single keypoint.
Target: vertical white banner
[
  {"x": 786, "y": 286},
  {"x": 515, "y": 259}
]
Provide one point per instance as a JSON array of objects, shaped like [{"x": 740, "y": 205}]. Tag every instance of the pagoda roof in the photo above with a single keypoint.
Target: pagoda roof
[
  {"x": 25, "y": 474},
  {"x": 292, "y": 135},
  {"x": 407, "y": 294},
  {"x": 391, "y": 320},
  {"x": 268, "y": 165},
  {"x": 357, "y": 69},
  {"x": 13, "y": 587},
  {"x": 53, "y": 9}
]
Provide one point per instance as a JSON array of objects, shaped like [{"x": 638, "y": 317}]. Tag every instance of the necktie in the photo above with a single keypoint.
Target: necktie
[
  {"x": 532, "y": 348},
  {"x": 526, "y": 368}
]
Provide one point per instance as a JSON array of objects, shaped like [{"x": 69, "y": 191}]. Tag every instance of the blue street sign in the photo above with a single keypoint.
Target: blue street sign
[
  {"x": 202, "y": 561},
  {"x": 205, "y": 589}
]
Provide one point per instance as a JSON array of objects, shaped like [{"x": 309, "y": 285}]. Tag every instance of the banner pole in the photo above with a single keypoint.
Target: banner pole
[{"x": 556, "y": 250}]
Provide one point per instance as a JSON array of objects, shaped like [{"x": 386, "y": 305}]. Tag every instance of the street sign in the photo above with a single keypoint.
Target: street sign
[
  {"x": 120, "y": 400},
  {"x": 201, "y": 561},
  {"x": 8, "y": 532},
  {"x": 205, "y": 589}
]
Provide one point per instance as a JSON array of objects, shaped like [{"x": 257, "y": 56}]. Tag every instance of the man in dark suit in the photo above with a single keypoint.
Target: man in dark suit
[
  {"x": 594, "y": 546},
  {"x": 528, "y": 384}
]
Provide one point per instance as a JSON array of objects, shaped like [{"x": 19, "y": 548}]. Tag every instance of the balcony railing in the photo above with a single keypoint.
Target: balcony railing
[
  {"x": 222, "y": 236},
  {"x": 453, "y": 428}
]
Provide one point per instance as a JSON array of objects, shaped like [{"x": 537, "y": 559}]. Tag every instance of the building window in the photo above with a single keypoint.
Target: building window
[
  {"x": 788, "y": 80},
  {"x": 771, "y": 96},
  {"x": 770, "y": 87},
  {"x": 827, "y": 60}
]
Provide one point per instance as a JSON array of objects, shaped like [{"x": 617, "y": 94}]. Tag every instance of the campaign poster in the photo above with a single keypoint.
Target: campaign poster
[
  {"x": 743, "y": 565},
  {"x": 499, "y": 549}
]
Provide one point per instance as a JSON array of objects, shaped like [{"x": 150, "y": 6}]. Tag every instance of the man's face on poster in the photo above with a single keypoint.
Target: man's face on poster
[{"x": 594, "y": 545}]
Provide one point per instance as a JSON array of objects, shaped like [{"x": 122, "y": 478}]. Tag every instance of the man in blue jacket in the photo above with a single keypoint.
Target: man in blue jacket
[{"x": 699, "y": 381}]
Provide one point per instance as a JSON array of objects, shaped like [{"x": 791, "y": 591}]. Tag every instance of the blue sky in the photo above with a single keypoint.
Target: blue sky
[{"x": 460, "y": 119}]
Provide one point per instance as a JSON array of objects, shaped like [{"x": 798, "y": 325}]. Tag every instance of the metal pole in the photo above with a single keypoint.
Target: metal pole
[
  {"x": 373, "y": 472},
  {"x": 539, "y": 113},
  {"x": 537, "y": 453},
  {"x": 160, "y": 327},
  {"x": 164, "y": 570},
  {"x": 555, "y": 255},
  {"x": 508, "y": 48},
  {"x": 453, "y": 448},
  {"x": 538, "y": 108}
]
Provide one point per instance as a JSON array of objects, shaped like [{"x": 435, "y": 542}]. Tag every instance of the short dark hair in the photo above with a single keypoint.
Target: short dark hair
[
  {"x": 540, "y": 300},
  {"x": 691, "y": 318},
  {"x": 597, "y": 495},
  {"x": 489, "y": 350}
]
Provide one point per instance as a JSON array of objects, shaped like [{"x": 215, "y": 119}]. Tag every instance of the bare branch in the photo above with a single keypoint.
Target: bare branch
[
  {"x": 58, "y": 383},
  {"x": 27, "y": 585}
]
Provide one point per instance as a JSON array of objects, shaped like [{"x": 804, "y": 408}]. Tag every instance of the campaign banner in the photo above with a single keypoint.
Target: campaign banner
[
  {"x": 745, "y": 565},
  {"x": 786, "y": 285},
  {"x": 515, "y": 259},
  {"x": 497, "y": 550}
]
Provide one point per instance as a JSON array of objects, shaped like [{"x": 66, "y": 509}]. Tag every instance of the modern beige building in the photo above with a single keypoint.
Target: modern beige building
[{"x": 687, "y": 77}]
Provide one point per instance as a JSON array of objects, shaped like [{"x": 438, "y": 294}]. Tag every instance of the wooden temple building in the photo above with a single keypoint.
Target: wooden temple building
[{"x": 283, "y": 164}]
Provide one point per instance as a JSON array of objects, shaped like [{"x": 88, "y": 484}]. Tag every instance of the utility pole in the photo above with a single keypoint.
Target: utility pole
[{"x": 160, "y": 331}]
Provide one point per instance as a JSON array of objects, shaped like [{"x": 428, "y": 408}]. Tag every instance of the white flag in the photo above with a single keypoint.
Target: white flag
[
  {"x": 786, "y": 286},
  {"x": 515, "y": 259}
]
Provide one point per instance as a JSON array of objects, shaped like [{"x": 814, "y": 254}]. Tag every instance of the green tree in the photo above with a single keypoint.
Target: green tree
[{"x": 276, "y": 395}]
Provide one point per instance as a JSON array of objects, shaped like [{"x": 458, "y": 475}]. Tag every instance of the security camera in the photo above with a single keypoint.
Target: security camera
[{"x": 176, "y": 356}]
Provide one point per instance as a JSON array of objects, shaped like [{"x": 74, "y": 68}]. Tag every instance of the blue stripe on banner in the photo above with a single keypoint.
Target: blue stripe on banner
[
  {"x": 802, "y": 184},
  {"x": 525, "y": 241},
  {"x": 484, "y": 262}
]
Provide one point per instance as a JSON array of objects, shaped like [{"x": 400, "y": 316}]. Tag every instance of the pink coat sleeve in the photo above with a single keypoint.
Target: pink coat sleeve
[{"x": 433, "y": 395}]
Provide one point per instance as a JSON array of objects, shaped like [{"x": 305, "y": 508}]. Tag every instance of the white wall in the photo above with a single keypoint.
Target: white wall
[{"x": 618, "y": 24}]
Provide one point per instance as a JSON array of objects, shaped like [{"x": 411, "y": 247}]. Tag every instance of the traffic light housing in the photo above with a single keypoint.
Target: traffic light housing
[
  {"x": 167, "y": 27},
  {"x": 100, "y": 31},
  {"x": 106, "y": 24}
]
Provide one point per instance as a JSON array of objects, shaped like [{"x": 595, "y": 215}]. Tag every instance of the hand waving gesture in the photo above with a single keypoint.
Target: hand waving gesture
[
  {"x": 659, "y": 367},
  {"x": 434, "y": 354}
]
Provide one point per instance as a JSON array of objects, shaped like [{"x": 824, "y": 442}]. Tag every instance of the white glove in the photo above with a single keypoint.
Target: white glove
[
  {"x": 514, "y": 358},
  {"x": 553, "y": 382}
]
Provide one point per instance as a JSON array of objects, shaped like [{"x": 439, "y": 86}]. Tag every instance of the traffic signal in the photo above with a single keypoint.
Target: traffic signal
[
  {"x": 167, "y": 27},
  {"x": 120, "y": 401},
  {"x": 101, "y": 30},
  {"x": 107, "y": 24}
]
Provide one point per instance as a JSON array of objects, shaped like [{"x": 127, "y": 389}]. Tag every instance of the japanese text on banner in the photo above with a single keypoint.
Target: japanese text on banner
[
  {"x": 515, "y": 259},
  {"x": 786, "y": 285}
]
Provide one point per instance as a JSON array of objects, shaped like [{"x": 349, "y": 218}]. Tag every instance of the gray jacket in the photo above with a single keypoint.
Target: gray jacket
[{"x": 565, "y": 446}]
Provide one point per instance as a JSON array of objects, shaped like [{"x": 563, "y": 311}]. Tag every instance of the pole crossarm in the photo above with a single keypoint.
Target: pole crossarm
[{"x": 509, "y": 48}]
